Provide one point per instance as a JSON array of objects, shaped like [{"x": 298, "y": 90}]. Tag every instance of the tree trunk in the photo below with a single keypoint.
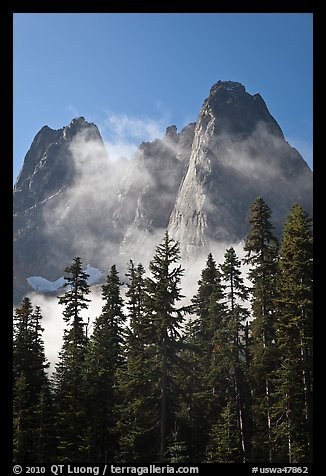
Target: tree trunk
[
  {"x": 288, "y": 424},
  {"x": 163, "y": 416},
  {"x": 269, "y": 423},
  {"x": 306, "y": 382},
  {"x": 240, "y": 421},
  {"x": 267, "y": 395}
]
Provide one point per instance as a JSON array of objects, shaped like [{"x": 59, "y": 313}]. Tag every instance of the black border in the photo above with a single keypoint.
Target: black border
[{"x": 7, "y": 9}]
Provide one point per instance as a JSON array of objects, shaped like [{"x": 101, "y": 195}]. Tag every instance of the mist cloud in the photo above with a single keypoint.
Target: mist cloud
[
  {"x": 102, "y": 208},
  {"x": 117, "y": 210},
  {"x": 122, "y": 133},
  {"x": 54, "y": 324},
  {"x": 83, "y": 214}
]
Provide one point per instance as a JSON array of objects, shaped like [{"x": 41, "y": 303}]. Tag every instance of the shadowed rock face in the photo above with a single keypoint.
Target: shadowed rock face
[
  {"x": 198, "y": 184},
  {"x": 46, "y": 176}
]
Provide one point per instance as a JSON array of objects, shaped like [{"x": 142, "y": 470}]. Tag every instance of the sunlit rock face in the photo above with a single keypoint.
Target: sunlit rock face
[{"x": 238, "y": 153}]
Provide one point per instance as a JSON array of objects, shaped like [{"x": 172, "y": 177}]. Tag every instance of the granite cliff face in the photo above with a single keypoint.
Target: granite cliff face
[
  {"x": 238, "y": 153},
  {"x": 69, "y": 199},
  {"x": 146, "y": 202}
]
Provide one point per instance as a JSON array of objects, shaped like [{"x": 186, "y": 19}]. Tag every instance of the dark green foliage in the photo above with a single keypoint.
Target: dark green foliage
[
  {"x": 69, "y": 391},
  {"x": 223, "y": 442},
  {"x": 229, "y": 368},
  {"x": 209, "y": 307},
  {"x": 177, "y": 449},
  {"x": 194, "y": 398},
  {"x": 163, "y": 292},
  {"x": 138, "y": 405},
  {"x": 103, "y": 359},
  {"x": 208, "y": 304},
  {"x": 148, "y": 385},
  {"x": 262, "y": 255},
  {"x": 201, "y": 402},
  {"x": 293, "y": 398},
  {"x": 74, "y": 301},
  {"x": 31, "y": 389}
]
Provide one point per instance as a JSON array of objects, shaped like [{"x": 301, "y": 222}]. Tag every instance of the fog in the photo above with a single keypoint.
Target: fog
[
  {"x": 54, "y": 324},
  {"x": 118, "y": 208}
]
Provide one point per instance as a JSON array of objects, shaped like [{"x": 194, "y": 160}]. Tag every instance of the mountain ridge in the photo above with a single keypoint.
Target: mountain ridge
[{"x": 69, "y": 199}]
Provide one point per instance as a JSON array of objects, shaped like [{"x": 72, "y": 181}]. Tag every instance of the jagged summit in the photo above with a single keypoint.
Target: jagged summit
[
  {"x": 236, "y": 111},
  {"x": 226, "y": 86},
  {"x": 79, "y": 123},
  {"x": 197, "y": 183},
  {"x": 78, "y": 120},
  {"x": 238, "y": 153},
  {"x": 47, "y": 166},
  {"x": 171, "y": 131}
]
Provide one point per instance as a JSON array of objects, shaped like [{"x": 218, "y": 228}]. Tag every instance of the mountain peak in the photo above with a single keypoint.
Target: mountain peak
[
  {"x": 80, "y": 120},
  {"x": 197, "y": 183},
  {"x": 238, "y": 153},
  {"x": 226, "y": 86},
  {"x": 78, "y": 124},
  {"x": 236, "y": 111},
  {"x": 48, "y": 165}
]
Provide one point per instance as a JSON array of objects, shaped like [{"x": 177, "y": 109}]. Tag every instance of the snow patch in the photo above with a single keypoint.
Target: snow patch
[
  {"x": 94, "y": 274},
  {"x": 44, "y": 285}
]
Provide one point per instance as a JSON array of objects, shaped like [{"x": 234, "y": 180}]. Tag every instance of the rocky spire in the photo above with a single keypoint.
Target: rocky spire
[{"x": 238, "y": 153}]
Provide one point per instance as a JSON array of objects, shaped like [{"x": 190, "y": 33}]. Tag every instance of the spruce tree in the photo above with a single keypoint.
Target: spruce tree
[
  {"x": 31, "y": 388},
  {"x": 135, "y": 296},
  {"x": 177, "y": 449},
  {"x": 163, "y": 292},
  {"x": 138, "y": 407},
  {"x": 68, "y": 378},
  {"x": 103, "y": 359},
  {"x": 208, "y": 304},
  {"x": 203, "y": 395},
  {"x": 293, "y": 405},
  {"x": 262, "y": 255},
  {"x": 229, "y": 366},
  {"x": 194, "y": 414},
  {"x": 223, "y": 443}
]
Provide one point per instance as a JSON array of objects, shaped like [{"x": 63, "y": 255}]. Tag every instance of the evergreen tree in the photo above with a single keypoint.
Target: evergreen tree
[
  {"x": 223, "y": 446},
  {"x": 162, "y": 294},
  {"x": 293, "y": 405},
  {"x": 135, "y": 295},
  {"x": 177, "y": 449},
  {"x": 214, "y": 389},
  {"x": 103, "y": 358},
  {"x": 31, "y": 388},
  {"x": 195, "y": 399},
  {"x": 203, "y": 401},
  {"x": 138, "y": 406},
  {"x": 229, "y": 365},
  {"x": 68, "y": 378},
  {"x": 262, "y": 254},
  {"x": 208, "y": 305},
  {"x": 21, "y": 425}
]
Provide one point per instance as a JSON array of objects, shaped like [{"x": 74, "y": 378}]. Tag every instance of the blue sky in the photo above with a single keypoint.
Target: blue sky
[{"x": 135, "y": 74}]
